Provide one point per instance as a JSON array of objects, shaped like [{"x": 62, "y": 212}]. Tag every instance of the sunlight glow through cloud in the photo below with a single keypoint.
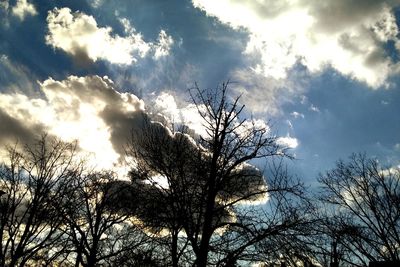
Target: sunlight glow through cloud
[
  {"x": 285, "y": 33},
  {"x": 188, "y": 115},
  {"x": 72, "y": 111}
]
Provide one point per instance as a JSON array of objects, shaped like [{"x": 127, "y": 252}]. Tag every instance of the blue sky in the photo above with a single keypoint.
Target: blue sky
[{"x": 324, "y": 73}]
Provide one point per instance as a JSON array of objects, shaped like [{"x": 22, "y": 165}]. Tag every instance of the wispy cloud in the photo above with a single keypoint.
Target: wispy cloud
[
  {"x": 296, "y": 115},
  {"x": 16, "y": 77},
  {"x": 266, "y": 94}
]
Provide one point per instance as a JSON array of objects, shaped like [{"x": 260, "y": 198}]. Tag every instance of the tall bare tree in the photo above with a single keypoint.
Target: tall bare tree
[{"x": 206, "y": 178}]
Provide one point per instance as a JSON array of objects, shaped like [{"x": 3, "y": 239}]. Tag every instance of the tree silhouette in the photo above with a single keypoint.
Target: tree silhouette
[
  {"x": 32, "y": 183},
  {"x": 366, "y": 198},
  {"x": 208, "y": 179},
  {"x": 98, "y": 229}
]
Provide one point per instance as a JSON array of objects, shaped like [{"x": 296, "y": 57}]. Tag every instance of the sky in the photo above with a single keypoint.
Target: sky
[{"x": 323, "y": 74}]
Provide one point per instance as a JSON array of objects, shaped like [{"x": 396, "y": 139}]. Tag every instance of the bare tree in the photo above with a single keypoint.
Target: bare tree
[
  {"x": 97, "y": 225},
  {"x": 160, "y": 153},
  {"x": 366, "y": 224},
  {"x": 208, "y": 178},
  {"x": 276, "y": 231},
  {"x": 31, "y": 181}
]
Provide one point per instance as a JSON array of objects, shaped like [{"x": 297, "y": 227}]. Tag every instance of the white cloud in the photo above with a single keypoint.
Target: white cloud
[
  {"x": 165, "y": 102},
  {"x": 73, "y": 109},
  {"x": 247, "y": 127},
  {"x": 296, "y": 115},
  {"x": 23, "y": 8},
  {"x": 79, "y": 35},
  {"x": 163, "y": 47},
  {"x": 187, "y": 115},
  {"x": 349, "y": 36},
  {"x": 265, "y": 94},
  {"x": 288, "y": 141},
  {"x": 314, "y": 108},
  {"x": 386, "y": 28},
  {"x": 91, "y": 111}
]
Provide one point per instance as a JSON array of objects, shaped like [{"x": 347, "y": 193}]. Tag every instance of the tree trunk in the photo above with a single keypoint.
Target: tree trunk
[
  {"x": 335, "y": 256},
  {"x": 207, "y": 232},
  {"x": 202, "y": 255},
  {"x": 92, "y": 259},
  {"x": 17, "y": 255},
  {"x": 174, "y": 249},
  {"x": 79, "y": 254}
]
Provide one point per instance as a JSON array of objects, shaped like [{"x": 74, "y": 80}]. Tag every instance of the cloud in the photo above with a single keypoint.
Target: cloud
[
  {"x": 13, "y": 130},
  {"x": 72, "y": 109},
  {"x": 349, "y": 36},
  {"x": 96, "y": 3},
  {"x": 314, "y": 108},
  {"x": 162, "y": 48},
  {"x": 15, "y": 77},
  {"x": 247, "y": 127},
  {"x": 90, "y": 110},
  {"x": 186, "y": 114},
  {"x": 87, "y": 109},
  {"x": 23, "y": 8},
  {"x": 296, "y": 115},
  {"x": 79, "y": 35},
  {"x": 288, "y": 141},
  {"x": 4, "y": 5},
  {"x": 266, "y": 94}
]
